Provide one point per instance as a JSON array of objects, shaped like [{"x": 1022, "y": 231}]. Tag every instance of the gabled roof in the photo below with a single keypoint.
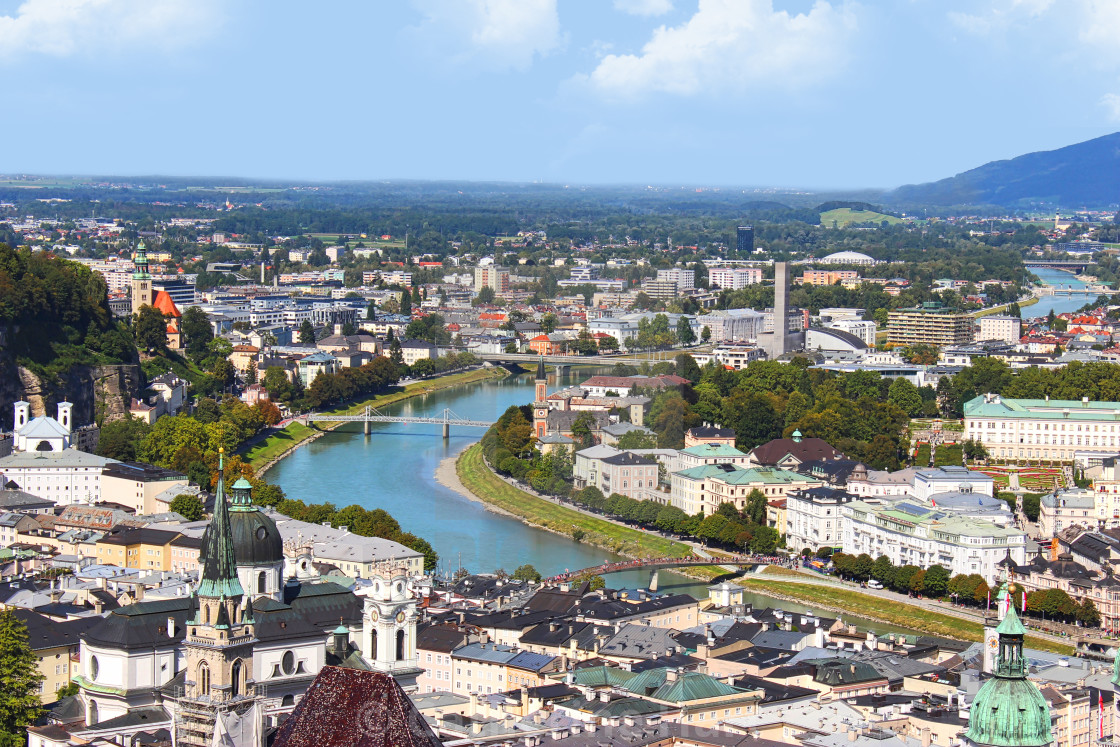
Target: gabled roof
[{"x": 165, "y": 305}]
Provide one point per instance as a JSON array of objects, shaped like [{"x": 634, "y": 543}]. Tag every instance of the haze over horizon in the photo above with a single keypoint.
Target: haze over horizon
[{"x": 784, "y": 93}]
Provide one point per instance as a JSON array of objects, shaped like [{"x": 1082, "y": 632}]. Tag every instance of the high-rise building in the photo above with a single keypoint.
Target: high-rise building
[
  {"x": 683, "y": 277},
  {"x": 744, "y": 239},
  {"x": 141, "y": 280},
  {"x": 734, "y": 278},
  {"x": 491, "y": 276}
]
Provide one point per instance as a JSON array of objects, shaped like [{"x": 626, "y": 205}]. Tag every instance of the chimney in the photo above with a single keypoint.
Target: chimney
[
  {"x": 926, "y": 737},
  {"x": 853, "y": 734}
]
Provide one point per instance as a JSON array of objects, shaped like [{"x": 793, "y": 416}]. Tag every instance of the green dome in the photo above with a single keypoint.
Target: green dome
[
  {"x": 1116, "y": 668},
  {"x": 256, "y": 540},
  {"x": 1009, "y": 712},
  {"x": 241, "y": 484}
]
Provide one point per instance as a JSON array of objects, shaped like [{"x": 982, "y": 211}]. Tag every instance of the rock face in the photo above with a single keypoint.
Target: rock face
[{"x": 101, "y": 394}]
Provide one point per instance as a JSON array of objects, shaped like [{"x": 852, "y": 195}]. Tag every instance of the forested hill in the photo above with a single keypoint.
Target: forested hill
[
  {"x": 55, "y": 324},
  {"x": 1083, "y": 175}
]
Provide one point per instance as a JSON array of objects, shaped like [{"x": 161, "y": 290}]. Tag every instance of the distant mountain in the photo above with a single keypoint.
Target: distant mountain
[{"x": 1085, "y": 174}]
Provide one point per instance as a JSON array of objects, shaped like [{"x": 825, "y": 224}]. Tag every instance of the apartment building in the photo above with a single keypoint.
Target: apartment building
[
  {"x": 702, "y": 489},
  {"x": 999, "y": 327},
  {"x": 490, "y": 276},
  {"x": 734, "y": 278},
  {"x": 929, "y": 324},
  {"x": 684, "y": 278},
  {"x": 828, "y": 277}
]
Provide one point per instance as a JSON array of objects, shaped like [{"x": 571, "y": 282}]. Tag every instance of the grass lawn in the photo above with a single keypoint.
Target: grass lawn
[
  {"x": 888, "y": 611},
  {"x": 296, "y": 433},
  {"x": 477, "y": 477},
  {"x": 846, "y": 216}
]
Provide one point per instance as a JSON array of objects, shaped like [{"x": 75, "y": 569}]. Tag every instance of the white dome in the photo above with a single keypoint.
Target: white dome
[{"x": 848, "y": 258}]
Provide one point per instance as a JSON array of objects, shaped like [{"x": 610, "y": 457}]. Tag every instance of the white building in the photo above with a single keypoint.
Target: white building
[
  {"x": 927, "y": 482},
  {"x": 814, "y": 518},
  {"x": 1048, "y": 429},
  {"x": 914, "y": 534},
  {"x": 731, "y": 356},
  {"x": 734, "y": 278},
  {"x": 683, "y": 277},
  {"x": 858, "y": 327},
  {"x": 1063, "y": 509},
  {"x": 732, "y": 325},
  {"x": 1005, "y": 328},
  {"x": 43, "y": 462}
]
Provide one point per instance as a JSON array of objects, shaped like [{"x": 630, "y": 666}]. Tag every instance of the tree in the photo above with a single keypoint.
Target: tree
[
  {"x": 687, "y": 367},
  {"x": 251, "y": 373},
  {"x": 396, "y": 355},
  {"x": 684, "y": 331},
  {"x": 188, "y": 506},
  {"x": 936, "y": 581},
  {"x": 306, "y": 333},
  {"x": 197, "y": 332},
  {"x": 756, "y": 507},
  {"x": 19, "y": 671},
  {"x": 581, "y": 430},
  {"x": 637, "y": 439},
  {"x": 119, "y": 439},
  {"x": 549, "y": 322},
  {"x": 406, "y": 304},
  {"x": 150, "y": 329},
  {"x": 485, "y": 296},
  {"x": 705, "y": 334},
  {"x": 882, "y": 569},
  {"x": 527, "y": 573},
  {"x": 607, "y": 344},
  {"x": 906, "y": 396}
]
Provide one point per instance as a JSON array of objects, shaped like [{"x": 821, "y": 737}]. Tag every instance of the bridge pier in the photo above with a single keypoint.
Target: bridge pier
[
  {"x": 562, "y": 371},
  {"x": 652, "y": 580},
  {"x": 367, "y": 426},
  {"x": 446, "y": 431}
]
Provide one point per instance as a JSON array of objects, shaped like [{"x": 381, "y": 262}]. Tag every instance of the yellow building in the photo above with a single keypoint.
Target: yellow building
[
  {"x": 150, "y": 549},
  {"x": 55, "y": 644}
]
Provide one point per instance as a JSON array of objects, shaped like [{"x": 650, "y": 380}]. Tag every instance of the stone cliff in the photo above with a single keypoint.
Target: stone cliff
[{"x": 100, "y": 394}]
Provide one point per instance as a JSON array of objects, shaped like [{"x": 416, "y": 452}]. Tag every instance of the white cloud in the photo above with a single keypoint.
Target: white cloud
[
  {"x": 999, "y": 16},
  {"x": 491, "y": 33},
  {"x": 1111, "y": 104},
  {"x": 1101, "y": 26},
  {"x": 62, "y": 28},
  {"x": 644, "y": 7},
  {"x": 732, "y": 45}
]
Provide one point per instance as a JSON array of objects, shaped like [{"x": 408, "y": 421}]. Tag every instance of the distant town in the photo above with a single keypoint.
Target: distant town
[{"x": 882, "y": 447}]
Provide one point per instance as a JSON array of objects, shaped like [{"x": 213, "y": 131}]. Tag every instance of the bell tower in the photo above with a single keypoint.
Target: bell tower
[
  {"x": 540, "y": 402},
  {"x": 220, "y": 635},
  {"x": 389, "y": 625},
  {"x": 141, "y": 280}
]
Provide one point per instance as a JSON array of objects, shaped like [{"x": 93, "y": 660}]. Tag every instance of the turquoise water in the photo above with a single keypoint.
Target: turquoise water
[
  {"x": 1059, "y": 304},
  {"x": 394, "y": 469}
]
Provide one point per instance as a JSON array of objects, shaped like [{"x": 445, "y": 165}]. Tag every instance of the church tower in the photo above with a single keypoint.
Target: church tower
[
  {"x": 389, "y": 626},
  {"x": 141, "y": 280},
  {"x": 1009, "y": 709},
  {"x": 540, "y": 403},
  {"x": 219, "y": 642}
]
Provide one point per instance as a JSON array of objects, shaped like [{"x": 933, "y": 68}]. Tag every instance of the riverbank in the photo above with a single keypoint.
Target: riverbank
[
  {"x": 884, "y": 610},
  {"x": 475, "y": 480},
  {"x": 265, "y": 454},
  {"x": 1031, "y": 301}
]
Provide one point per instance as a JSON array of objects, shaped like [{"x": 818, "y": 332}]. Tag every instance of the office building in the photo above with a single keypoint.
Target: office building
[
  {"x": 929, "y": 324},
  {"x": 744, "y": 239}
]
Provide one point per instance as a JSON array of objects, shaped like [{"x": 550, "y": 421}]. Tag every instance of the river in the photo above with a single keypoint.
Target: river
[
  {"x": 394, "y": 469},
  {"x": 1059, "y": 304}
]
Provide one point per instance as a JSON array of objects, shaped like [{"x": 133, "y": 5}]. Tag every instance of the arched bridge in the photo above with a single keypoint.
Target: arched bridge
[
  {"x": 653, "y": 565},
  {"x": 446, "y": 418}
]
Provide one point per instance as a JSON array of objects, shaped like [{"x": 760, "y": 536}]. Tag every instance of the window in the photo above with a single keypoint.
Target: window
[
  {"x": 204, "y": 679},
  {"x": 287, "y": 701},
  {"x": 288, "y": 662},
  {"x": 235, "y": 676},
  {"x": 94, "y": 668},
  {"x": 262, "y": 583}
]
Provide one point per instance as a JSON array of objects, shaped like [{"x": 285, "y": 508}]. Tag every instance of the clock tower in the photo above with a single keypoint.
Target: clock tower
[
  {"x": 389, "y": 619},
  {"x": 540, "y": 402},
  {"x": 141, "y": 280}
]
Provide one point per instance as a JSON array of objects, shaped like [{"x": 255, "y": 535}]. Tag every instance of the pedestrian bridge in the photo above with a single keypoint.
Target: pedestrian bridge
[
  {"x": 446, "y": 418},
  {"x": 653, "y": 565}
]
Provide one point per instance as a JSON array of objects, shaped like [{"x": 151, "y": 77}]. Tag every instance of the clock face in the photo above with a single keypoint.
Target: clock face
[
  {"x": 400, "y": 616},
  {"x": 993, "y": 644},
  {"x": 373, "y": 616}
]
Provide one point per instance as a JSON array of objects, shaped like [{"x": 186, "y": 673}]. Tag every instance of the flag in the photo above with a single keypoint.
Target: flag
[
  {"x": 1100, "y": 709},
  {"x": 1024, "y": 602},
  {"x": 989, "y": 604}
]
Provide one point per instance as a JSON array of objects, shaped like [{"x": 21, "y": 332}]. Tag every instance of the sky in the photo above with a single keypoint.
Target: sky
[{"x": 756, "y": 93}]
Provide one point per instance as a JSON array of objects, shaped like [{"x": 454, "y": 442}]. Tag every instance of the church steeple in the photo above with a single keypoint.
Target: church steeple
[
  {"x": 219, "y": 570},
  {"x": 140, "y": 263},
  {"x": 540, "y": 403}
]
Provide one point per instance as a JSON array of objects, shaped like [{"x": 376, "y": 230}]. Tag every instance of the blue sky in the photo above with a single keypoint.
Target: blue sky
[{"x": 787, "y": 93}]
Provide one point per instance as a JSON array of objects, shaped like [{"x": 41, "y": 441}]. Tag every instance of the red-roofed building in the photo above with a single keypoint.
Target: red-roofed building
[{"x": 164, "y": 305}]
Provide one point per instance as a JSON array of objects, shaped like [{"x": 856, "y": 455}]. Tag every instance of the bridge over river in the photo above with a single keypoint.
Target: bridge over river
[
  {"x": 371, "y": 415},
  {"x": 653, "y": 565}
]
